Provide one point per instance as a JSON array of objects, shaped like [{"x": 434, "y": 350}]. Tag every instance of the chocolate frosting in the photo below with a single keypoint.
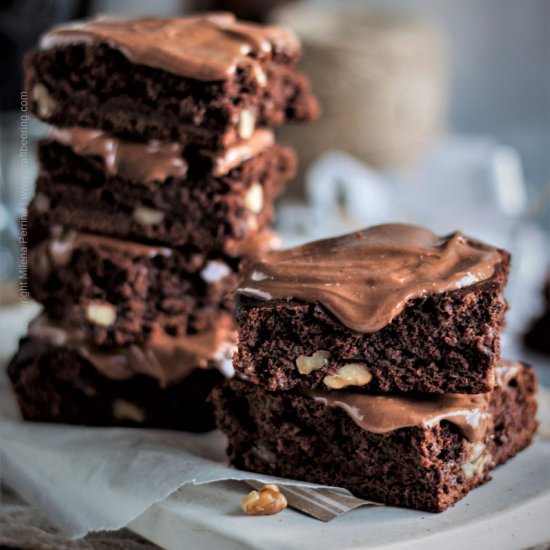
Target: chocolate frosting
[
  {"x": 384, "y": 414},
  {"x": 142, "y": 162},
  {"x": 168, "y": 359},
  {"x": 205, "y": 47},
  {"x": 154, "y": 161},
  {"x": 366, "y": 278}
]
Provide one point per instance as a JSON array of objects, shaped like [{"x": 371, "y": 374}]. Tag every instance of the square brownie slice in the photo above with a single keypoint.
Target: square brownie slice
[
  {"x": 160, "y": 192},
  {"x": 418, "y": 452},
  {"x": 59, "y": 376},
  {"x": 121, "y": 292},
  {"x": 393, "y": 308},
  {"x": 208, "y": 79}
]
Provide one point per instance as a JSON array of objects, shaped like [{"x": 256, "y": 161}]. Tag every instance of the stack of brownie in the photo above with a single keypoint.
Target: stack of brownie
[
  {"x": 372, "y": 362},
  {"x": 158, "y": 177}
]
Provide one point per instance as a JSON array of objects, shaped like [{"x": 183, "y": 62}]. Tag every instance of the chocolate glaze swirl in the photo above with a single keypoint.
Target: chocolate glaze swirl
[
  {"x": 205, "y": 47},
  {"x": 141, "y": 162},
  {"x": 382, "y": 414},
  {"x": 155, "y": 161},
  {"x": 366, "y": 278},
  {"x": 165, "y": 358}
]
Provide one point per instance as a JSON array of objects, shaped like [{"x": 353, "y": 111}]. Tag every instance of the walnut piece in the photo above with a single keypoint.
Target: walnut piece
[
  {"x": 148, "y": 216},
  {"x": 351, "y": 374},
  {"x": 124, "y": 410},
  {"x": 265, "y": 454},
  {"x": 268, "y": 500},
  {"x": 307, "y": 364},
  {"x": 260, "y": 76},
  {"x": 252, "y": 223},
  {"x": 254, "y": 198},
  {"x": 45, "y": 103},
  {"x": 477, "y": 460},
  {"x": 101, "y": 313},
  {"x": 247, "y": 123}
]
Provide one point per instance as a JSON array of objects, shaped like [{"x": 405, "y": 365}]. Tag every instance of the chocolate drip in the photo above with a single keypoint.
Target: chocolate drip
[
  {"x": 155, "y": 161},
  {"x": 383, "y": 414},
  {"x": 366, "y": 278},
  {"x": 166, "y": 358},
  {"x": 206, "y": 47},
  {"x": 142, "y": 162}
]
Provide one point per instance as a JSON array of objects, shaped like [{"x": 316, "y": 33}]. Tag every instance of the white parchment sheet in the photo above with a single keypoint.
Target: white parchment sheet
[{"x": 90, "y": 479}]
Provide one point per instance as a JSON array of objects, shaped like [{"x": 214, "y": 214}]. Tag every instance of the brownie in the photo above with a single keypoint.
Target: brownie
[
  {"x": 208, "y": 80},
  {"x": 208, "y": 206},
  {"x": 437, "y": 340},
  {"x": 427, "y": 466},
  {"x": 537, "y": 336},
  {"x": 59, "y": 384},
  {"x": 121, "y": 292}
]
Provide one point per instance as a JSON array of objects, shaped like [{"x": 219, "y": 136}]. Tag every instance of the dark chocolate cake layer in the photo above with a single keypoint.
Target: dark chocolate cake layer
[
  {"x": 121, "y": 292},
  {"x": 208, "y": 80},
  {"x": 160, "y": 196},
  {"x": 60, "y": 384},
  {"x": 412, "y": 452},
  {"x": 390, "y": 309}
]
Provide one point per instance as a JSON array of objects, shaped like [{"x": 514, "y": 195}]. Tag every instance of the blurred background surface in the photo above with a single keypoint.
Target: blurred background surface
[{"x": 434, "y": 112}]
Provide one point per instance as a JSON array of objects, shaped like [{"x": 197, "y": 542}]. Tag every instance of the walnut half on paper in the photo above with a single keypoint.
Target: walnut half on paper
[{"x": 267, "y": 501}]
